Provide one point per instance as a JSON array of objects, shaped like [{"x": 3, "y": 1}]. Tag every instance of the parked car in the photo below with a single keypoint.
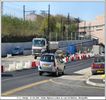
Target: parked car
[
  {"x": 98, "y": 65},
  {"x": 49, "y": 63},
  {"x": 17, "y": 51}
]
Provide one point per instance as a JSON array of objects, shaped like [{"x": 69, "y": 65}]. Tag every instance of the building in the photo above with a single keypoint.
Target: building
[
  {"x": 93, "y": 29},
  {"x": 32, "y": 16}
]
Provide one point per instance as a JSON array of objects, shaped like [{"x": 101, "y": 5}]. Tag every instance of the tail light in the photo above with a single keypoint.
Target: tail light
[{"x": 93, "y": 65}]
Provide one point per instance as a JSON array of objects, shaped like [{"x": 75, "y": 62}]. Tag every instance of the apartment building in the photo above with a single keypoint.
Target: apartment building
[
  {"x": 93, "y": 29},
  {"x": 32, "y": 16}
]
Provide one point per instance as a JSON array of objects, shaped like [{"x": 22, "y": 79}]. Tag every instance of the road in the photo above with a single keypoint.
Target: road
[{"x": 28, "y": 82}]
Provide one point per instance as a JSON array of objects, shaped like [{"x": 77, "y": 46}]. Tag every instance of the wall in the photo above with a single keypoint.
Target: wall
[{"x": 6, "y": 48}]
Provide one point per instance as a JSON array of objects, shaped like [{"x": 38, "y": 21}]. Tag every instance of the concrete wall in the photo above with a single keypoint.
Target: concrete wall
[{"x": 6, "y": 48}]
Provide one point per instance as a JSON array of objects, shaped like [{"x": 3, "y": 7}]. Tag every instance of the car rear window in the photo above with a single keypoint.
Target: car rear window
[
  {"x": 99, "y": 59},
  {"x": 47, "y": 58}
]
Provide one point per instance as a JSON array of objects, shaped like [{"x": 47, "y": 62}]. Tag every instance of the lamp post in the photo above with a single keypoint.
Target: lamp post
[{"x": 24, "y": 11}]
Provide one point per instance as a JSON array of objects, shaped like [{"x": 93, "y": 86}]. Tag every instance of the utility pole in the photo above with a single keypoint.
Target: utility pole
[
  {"x": 68, "y": 25},
  {"x": 24, "y": 12},
  {"x": 48, "y": 35}
]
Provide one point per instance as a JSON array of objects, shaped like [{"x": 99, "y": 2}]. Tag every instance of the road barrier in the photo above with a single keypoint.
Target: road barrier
[
  {"x": 33, "y": 64},
  {"x": 12, "y": 67},
  {"x": 19, "y": 65},
  {"x": 27, "y": 65},
  {"x": 67, "y": 59},
  {"x": 74, "y": 57}
]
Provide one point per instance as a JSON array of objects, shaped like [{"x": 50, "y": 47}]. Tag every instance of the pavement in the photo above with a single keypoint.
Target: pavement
[{"x": 96, "y": 80}]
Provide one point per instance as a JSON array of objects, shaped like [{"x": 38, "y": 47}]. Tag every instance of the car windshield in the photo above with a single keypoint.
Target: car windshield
[
  {"x": 47, "y": 58},
  {"x": 99, "y": 59},
  {"x": 39, "y": 43}
]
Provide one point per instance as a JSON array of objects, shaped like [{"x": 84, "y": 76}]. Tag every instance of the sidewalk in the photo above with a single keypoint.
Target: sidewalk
[{"x": 96, "y": 80}]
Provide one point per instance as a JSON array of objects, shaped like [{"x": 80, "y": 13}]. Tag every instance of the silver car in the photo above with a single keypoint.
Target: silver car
[{"x": 49, "y": 63}]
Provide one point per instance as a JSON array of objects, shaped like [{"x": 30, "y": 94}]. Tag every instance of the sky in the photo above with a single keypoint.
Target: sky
[{"x": 84, "y": 10}]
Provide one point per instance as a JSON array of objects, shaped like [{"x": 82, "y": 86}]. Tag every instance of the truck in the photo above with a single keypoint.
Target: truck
[
  {"x": 40, "y": 45},
  {"x": 98, "y": 49}
]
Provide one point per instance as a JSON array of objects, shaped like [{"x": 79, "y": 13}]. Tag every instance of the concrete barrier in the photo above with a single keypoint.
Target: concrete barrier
[
  {"x": 19, "y": 65},
  {"x": 12, "y": 67},
  {"x": 27, "y": 65},
  {"x": 5, "y": 67}
]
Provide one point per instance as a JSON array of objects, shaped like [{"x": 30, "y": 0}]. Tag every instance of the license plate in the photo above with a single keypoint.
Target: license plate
[
  {"x": 99, "y": 71},
  {"x": 45, "y": 65}
]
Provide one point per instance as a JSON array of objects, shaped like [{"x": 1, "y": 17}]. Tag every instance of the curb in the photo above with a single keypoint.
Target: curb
[{"x": 94, "y": 84}]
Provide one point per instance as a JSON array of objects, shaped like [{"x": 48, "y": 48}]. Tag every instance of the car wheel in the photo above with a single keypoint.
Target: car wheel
[
  {"x": 57, "y": 73},
  {"x": 63, "y": 71},
  {"x": 22, "y": 53},
  {"x": 93, "y": 72},
  {"x": 40, "y": 73}
]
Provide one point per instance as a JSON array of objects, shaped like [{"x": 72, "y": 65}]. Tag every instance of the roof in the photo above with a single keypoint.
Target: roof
[
  {"x": 38, "y": 38},
  {"x": 48, "y": 54}
]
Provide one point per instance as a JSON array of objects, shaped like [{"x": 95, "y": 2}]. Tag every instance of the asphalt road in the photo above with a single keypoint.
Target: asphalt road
[{"x": 28, "y": 82}]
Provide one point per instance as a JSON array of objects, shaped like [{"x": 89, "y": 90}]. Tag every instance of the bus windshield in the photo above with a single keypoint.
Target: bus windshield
[{"x": 38, "y": 43}]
